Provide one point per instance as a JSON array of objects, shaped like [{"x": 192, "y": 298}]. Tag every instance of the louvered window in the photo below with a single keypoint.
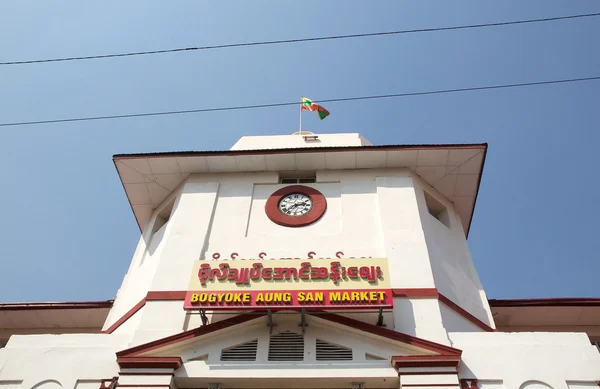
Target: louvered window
[
  {"x": 286, "y": 346},
  {"x": 327, "y": 351},
  {"x": 241, "y": 352}
]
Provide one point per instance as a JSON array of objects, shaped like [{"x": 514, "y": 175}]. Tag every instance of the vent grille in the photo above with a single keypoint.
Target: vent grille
[
  {"x": 286, "y": 346},
  {"x": 327, "y": 351},
  {"x": 241, "y": 352}
]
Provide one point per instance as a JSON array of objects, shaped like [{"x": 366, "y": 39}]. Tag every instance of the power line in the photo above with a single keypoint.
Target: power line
[
  {"x": 243, "y": 107},
  {"x": 324, "y": 38}
]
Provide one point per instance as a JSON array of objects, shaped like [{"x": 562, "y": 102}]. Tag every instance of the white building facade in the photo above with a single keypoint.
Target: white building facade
[{"x": 302, "y": 261}]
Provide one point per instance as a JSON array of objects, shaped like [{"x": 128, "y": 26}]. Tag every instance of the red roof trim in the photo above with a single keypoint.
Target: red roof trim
[
  {"x": 547, "y": 302},
  {"x": 375, "y": 330},
  {"x": 149, "y": 362},
  {"x": 300, "y": 150},
  {"x": 171, "y": 295},
  {"x": 220, "y": 325},
  {"x": 126, "y": 316},
  {"x": 416, "y": 293},
  {"x": 50, "y": 305},
  {"x": 485, "y": 149},
  {"x": 464, "y": 313},
  {"x": 389, "y": 334}
]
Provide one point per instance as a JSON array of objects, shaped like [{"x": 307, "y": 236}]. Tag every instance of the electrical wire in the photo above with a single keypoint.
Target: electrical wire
[
  {"x": 324, "y": 38},
  {"x": 244, "y": 107}
]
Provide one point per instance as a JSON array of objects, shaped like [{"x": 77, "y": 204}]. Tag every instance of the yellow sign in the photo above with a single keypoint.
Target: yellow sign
[{"x": 291, "y": 274}]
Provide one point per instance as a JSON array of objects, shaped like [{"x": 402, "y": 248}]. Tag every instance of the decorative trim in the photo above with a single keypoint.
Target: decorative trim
[
  {"x": 131, "y": 362},
  {"x": 424, "y": 372},
  {"x": 478, "y": 146},
  {"x": 392, "y": 335},
  {"x": 182, "y": 336},
  {"x": 547, "y": 302},
  {"x": 468, "y": 383},
  {"x": 71, "y": 305},
  {"x": 317, "y": 211},
  {"x": 429, "y": 385},
  {"x": 125, "y": 317},
  {"x": 109, "y": 381},
  {"x": 174, "y": 295},
  {"x": 416, "y": 293},
  {"x": 144, "y": 386},
  {"x": 449, "y": 356},
  {"x": 179, "y": 295},
  {"x": 462, "y": 312},
  {"x": 151, "y": 296},
  {"x": 427, "y": 361}
]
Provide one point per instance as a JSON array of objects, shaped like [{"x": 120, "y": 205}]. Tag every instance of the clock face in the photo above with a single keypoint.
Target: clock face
[{"x": 295, "y": 204}]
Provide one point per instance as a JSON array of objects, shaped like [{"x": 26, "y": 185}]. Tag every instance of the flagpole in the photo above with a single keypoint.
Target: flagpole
[{"x": 300, "y": 129}]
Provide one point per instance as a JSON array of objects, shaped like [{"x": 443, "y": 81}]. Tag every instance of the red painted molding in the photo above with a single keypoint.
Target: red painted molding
[
  {"x": 426, "y": 361},
  {"x": 108, "y": 383},
  {"x": 318, "y": 209},
  {"x": 134, "y": 351},
  {"x": 174, "y": 295},
  {"x": 462, "y": 312},
  {"x": 547, "y": 302},
  {"x": 129, "y": 362},
  {"x": 424, "y": 372},
  {"x": 151, "y": 296},
  {"x": 468, "y": 383},
  {"x": 434, "y": 293},
  {"x": 408, "y": 292},
  {"x": 449, "y": 356},
  {"x": 480, "y": 146},
  {"x": 390, "y": 334},
  {"x": 125, "y": 317},
  {"x": 67, "y": 305},
  {"x": 416, "y": 292}
]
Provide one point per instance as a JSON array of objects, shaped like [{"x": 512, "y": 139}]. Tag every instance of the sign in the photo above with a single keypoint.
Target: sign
[{"x": 293, "y": 283}]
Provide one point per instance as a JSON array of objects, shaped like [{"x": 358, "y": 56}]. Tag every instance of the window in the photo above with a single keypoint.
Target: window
[
  {"x": 437, "y": 209},
  {"x": 297, "y": 178}
]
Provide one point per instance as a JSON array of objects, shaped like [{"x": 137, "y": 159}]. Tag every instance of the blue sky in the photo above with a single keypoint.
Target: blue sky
[{"x": 67, "y": 231}]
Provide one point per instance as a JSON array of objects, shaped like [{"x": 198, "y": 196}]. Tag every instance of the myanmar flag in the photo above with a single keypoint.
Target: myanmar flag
[{"x": 309, "y": 105}]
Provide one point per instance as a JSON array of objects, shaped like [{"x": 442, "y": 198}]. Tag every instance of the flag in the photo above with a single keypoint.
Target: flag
[{"x": 309, "y": 105}]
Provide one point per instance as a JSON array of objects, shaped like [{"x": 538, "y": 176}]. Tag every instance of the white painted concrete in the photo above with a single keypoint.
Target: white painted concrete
[
  {"x": 371, "y": 213},
  {"x": 298, "y": 141},
  {"x": 523, "y": 360}
]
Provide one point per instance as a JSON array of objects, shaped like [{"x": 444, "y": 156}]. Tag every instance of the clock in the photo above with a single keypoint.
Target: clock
[{"x": 295, "y": 206}]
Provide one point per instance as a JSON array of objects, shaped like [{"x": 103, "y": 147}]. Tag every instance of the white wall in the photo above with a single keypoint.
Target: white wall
[
  {"x": 55, "y": 361},
  {"x": 522, "y": 359},
  {"x": 224, "y": 213},
  {"x": 453, "y": 270},
  {"x": 297, "y": 141}
]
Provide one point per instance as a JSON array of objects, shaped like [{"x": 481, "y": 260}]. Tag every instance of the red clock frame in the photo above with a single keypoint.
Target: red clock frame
[{"x": 317, "y": 211}]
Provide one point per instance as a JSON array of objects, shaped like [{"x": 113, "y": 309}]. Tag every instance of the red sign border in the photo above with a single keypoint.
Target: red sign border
[{"x": 325, "y": 306}]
